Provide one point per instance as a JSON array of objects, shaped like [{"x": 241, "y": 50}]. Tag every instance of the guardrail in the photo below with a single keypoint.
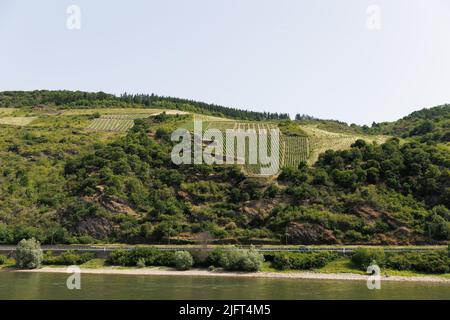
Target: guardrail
[{"x": 99, "y": 249}]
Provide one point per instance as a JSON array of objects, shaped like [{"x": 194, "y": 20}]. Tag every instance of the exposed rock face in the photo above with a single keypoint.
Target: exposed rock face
[
  {"x": 253, "y": 216},
  {"x": 97, "y": 227},
  {"x": 114, "y": 204},
  {"x": 372, "y": 214},
  {"x": 305, "y": 233}
]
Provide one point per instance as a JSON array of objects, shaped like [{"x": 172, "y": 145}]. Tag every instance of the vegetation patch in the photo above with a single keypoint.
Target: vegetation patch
[
  {"x": 302, "y": 261},
  {"x": 17, "y": 121},
  {"x": 111, "y": 124}
]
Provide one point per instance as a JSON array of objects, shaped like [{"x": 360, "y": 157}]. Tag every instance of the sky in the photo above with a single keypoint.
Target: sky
[{"x": 355, "y": 60}]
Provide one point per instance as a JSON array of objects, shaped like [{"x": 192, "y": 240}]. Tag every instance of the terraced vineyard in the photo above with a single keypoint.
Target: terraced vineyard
[
  {"x": 295, "y": 149},
  {"x": 117, "y": 125},
  {"x": 125, "y": 116},
  {"x": 115, "y": 122},
  {"x": 292, "y": 149},
  {"x": 255, "y": 169}
]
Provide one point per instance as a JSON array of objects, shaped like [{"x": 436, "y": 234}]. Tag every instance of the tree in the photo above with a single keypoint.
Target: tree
[
  {"x": 439, "y": 228},
  {"x": 29, "y": 254},
  {"x": 364, "y": 257},
  {"x": 183, "y": 260}
]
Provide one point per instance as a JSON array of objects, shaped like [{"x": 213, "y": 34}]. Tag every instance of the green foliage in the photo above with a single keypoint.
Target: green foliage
[
  {"x": 183, "y": 260},
  {"x": 430, "y": 262},
  {"x": 426, "y": 125},
  {"x": 28, "y": 254},
  {"x": 151, "y": 257},
  {"x": 3, "y": 259},
  {"x": 364, "y": 257},
  {"x": 237, "y": 259},
  {"x": 67, "y": 258},
  {"x": 302, "y": 261},
  {"x": 439, "y": 223}
]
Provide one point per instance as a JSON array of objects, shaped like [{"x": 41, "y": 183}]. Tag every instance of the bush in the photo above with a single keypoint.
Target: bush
[
  {"x": 214, "y": 257},
  {"x": 430, "y": 262},
  {"x": 302, "y": 261},
  {"x": 151, "y": 257},
  {"x": 237, "y": 259},
  {"x": 68, "y": 258},
  {"x": 364, "y": 257},
  {"x": 118, "y": 257},
  {"x": 439, "y": 228},
  {"x": 183, "y": 260},
  {"x": 3, "y": 259},
  {"x": 28, "y": 254}
]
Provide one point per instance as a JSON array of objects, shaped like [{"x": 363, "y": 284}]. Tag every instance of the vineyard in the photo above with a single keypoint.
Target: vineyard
[
  {"x": 292, "y": 149},
  {"x": 117, "y": 125},
  {"x": 295, "y": 150},
  {"x": 249, "y": 169},
  {"x": 116, "y": 122},
  {"x": 125, "y": 116}
]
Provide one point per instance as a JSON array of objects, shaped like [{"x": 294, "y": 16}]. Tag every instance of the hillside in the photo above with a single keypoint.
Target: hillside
[
  {"x": 81, "y": 171},
  {"x": 426, "y": 125},
  {"x": 79, "y": 99}
]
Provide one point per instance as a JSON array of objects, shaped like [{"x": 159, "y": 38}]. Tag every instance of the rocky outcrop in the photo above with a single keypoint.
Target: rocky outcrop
[{"x": 306, "y": 233}]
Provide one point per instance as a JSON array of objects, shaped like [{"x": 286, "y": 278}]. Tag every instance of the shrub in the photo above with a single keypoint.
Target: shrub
[
  {"x": 439, "y": 228},
  {"x": 302, "y": 261},
  {"x": 237, "y": 259},
  {"x": 28, "y": 254},
  {"x": 183, "y": 260},
  {"x": 3, "y": 259},
  {"x": 429, "y": 262},
  {"x": 118, "y": 257},
  {"x": 364, "y": 257},
  {"x": 69, "y": 257},
  {"x": 215, "y": 256},
  {"x": 151, "y": 256}
]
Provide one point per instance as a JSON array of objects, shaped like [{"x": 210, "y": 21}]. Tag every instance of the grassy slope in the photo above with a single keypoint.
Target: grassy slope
[{"x": 322, "y": 140}]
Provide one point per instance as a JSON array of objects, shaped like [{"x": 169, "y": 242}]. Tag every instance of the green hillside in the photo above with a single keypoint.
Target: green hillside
[
  {"x": 83, "y": 168},
  {"x": 426, "y": 125}
]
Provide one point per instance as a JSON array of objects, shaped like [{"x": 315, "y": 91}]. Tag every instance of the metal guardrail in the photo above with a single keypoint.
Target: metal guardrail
[{"x": 62, "y": 248}]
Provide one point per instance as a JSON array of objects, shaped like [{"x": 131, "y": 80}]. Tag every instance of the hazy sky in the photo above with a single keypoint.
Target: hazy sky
[{"x": 316, "y": 57}]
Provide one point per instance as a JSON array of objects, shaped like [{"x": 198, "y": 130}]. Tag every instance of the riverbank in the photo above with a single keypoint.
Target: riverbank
[{"x": 206, "y": 273}]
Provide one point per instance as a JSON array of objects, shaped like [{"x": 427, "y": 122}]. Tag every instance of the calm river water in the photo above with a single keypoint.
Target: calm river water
[{"x": 53, "y": 286}]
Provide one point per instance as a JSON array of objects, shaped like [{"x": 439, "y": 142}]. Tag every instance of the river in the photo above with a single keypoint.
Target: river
[{"x": 53, "y": 286}]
